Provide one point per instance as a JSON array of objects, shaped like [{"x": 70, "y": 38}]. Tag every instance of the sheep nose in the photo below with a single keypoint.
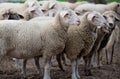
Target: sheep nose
[{"x": 111, "y": 24}]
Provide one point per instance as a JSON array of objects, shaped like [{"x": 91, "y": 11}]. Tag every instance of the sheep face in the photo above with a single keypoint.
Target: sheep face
[
  {"x": 69, "y": 18},
  {"x": 34, "y": 8},
  {"x": 112, "y": 18},
  {"x": 50, "y": 8},
  {"x": 97, "y": 19}
]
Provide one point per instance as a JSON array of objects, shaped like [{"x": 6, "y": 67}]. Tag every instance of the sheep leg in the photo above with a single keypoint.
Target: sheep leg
[
  {"x": 36, "y": 59},
  {"x": 24, "y": 68},
  {"x": 74, "y": 63},
  {"x": 92, "y": 60},
  {"x": 87, "y": 66},
  {"x": 17, "y": 63},
  {"x": 47, "y": 68},
  {"x": 77, "y": 64},
  {"x": 64, "y": 60},
  {"x": 106, "y": 55},
  {"x": 98, "y": 59},
  {"x": 111, "y": 60},
  {"x": 59, "y": 62}
]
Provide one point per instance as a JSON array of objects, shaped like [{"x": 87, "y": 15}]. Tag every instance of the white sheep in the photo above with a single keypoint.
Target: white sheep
[
  {"x": 27, "y": 39},
  {"x": 28, "y": 10},
  {"x": 110, "y": 39},
  {"x": 98, "y": 7},
  {"x": 72, "y": 5},
  {"x": 81, "y": 39},
  {"x": 111, "y": 17},
  {"x": 8, "y": 13},
  {"x": 51, "y": 7}
]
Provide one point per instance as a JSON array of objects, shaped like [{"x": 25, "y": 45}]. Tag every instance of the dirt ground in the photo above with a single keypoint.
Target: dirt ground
[{"x": 8, "y": 70}]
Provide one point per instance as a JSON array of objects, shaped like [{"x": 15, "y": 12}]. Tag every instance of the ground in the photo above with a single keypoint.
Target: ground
[{"x": 8, "y": 70}]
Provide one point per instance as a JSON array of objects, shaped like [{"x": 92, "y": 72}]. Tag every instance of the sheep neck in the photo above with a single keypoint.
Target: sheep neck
[
  {"x": 87, "y": 25},
  {"x": 60, "y": 28},
  {"x": 59, "y": 22}
]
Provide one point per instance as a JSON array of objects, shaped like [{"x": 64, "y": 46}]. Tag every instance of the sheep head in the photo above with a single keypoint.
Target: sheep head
[
  {"x": 112, "y": 18},
  {"x": 69, "y": 17},
  {"x": 34, "y": 8},
  {"x": 51, "y": 7},
  {"x": 97, "y": 19}
]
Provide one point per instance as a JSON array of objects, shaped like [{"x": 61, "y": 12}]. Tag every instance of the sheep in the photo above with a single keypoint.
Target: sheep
[
  {"x": 81, "y": 39},
  {"x": 72, "y": 5},
  {"x": 7, "y": 13},
  {"x": 51, "y": 7},
  {"x": 111, "y": 17},
  {"x": 27, "y": 39},
  {"x": 28, "y": 10},
  {"x": 101, "y": 35},
  {"x": 34, "y": 9},
  {"x": 111, "y": 38},
  {"x": 98, "y": 7}
]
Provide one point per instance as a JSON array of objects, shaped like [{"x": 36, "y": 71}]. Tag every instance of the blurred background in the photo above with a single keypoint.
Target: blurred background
[{"x": 72, "y": 1}]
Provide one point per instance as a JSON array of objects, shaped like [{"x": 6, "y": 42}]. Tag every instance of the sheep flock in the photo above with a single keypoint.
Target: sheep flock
[{"x": 60, "y": 31}]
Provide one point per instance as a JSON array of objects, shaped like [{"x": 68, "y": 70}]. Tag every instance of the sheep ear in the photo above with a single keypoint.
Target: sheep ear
[
  {"x": 64, "y": 14},
  {"x": 117, "y": 19},
  {"x": 105, "y": 17},
  {"x": 93, "y": 19},
  {"x": 52, "y": 4}
]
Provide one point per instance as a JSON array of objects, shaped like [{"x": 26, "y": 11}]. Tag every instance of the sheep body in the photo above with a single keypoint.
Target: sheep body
[
  {"x": 23, "y": 42},
  {"x": 111, "y": 38},
  {"x": 67, "y": 5},
  {"x": 28, "y": 10},
  {"x": 114, "y": 36},
  {"x": 42, "y": 18},
  {"x": 98, "y": 7},
  {"x": 27, "y": 39},
  {"x": 80, "y": 41},
  {"x": 111, "y": 43}
]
